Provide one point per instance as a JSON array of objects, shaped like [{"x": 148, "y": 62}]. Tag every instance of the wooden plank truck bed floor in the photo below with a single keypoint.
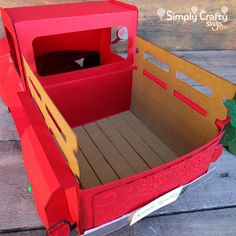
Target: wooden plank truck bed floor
[
  {"x": 208, "y": 210},
  {"x": 117, "y": 147}
]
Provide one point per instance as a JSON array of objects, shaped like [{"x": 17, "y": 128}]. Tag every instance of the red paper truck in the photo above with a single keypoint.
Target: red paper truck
[{"x": 103, "y": 134}]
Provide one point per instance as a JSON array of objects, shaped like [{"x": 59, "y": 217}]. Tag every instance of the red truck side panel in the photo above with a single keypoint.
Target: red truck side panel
[
  {"x": 110, "y": 201},
  {"x": 8, "y": 75},
  {"x": 55, "y": 189}
]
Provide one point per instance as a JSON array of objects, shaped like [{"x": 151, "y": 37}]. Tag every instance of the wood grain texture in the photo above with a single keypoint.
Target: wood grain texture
[
  {"x": 7, "y": 127},
  {"x": 101, "y": 167},
  {"x": 32, "y": 232},
  {"x": 209, "y": 223},
  {"x": 109, "y": 151},
  {"x": 88, "y": 178},
  {"x": 149, "y": 137},
  {"x": 221, "y": 63},
  {"x": 217, "y": 192},
  {"x": 141, "y": 147},
  {"x": 123, "y": 146},
  {"x": 186, "y": 36},
  {"x": 171, "y": 34},
  {"x": 112, "y": 149},
  {"x": 19, "y": 210},
  {"x": 219, "y": 222},
  {"x": 173, "y": 120},
  {"x": 17, "y": 205}
]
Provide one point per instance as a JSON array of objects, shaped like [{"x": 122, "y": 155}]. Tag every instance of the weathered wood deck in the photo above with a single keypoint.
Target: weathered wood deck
[{"x": 208, "y": 210}]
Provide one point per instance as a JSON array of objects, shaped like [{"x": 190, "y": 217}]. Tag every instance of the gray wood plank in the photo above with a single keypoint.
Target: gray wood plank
[
  {"x": 25, "y": 232},
  {"x": 219, "y": 222},
  {"x": 7, "y": 127},
  {"x": 221, "y": 63},
  {"x": 219, "y": 191},
  {"x": 17, "y": 205},
  {"x": 32, "y": 232},
  {"x": 209, "y": 223}
]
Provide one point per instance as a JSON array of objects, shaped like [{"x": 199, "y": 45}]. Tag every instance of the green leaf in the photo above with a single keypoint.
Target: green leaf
[
  {"x": 29, "y": 188},
  {"x": 228, "y": 135},
  {"x": 232, "y": 146}
]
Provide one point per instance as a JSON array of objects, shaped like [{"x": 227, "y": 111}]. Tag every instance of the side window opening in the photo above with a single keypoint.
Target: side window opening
[
  {"x": 119, "y": 41},
  {"x": 12, "y": 49},
  {"x": 55, "y": 54}
]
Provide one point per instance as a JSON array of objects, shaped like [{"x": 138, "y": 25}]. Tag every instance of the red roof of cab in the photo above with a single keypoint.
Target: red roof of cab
[
  {"x": 28, "y": 23},
  {"x": 31, "y": 13}
]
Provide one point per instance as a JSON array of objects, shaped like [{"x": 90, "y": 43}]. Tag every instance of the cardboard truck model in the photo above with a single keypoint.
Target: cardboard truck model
[{"x": 103, "y": 135}]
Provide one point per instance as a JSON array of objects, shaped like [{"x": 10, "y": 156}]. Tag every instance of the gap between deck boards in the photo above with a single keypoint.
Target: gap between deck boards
[{"x": 117, "y": 147}]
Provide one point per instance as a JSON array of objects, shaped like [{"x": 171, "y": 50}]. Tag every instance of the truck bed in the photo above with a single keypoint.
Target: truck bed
[{"x": 117, "y": 147}]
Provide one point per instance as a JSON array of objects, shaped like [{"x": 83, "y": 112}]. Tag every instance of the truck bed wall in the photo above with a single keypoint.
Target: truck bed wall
[
  {"x": 182, "y": 116},
  {"x": 88, "y": 99}
]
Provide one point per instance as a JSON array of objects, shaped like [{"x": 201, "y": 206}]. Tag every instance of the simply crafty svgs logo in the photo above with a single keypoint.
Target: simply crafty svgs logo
[{"x": 214, "y": 20}]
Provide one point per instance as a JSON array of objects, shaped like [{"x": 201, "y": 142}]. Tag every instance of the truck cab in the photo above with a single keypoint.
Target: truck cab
[
  {"x": 106, "y": 125},
  {"x": 72, "y": 44}
]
